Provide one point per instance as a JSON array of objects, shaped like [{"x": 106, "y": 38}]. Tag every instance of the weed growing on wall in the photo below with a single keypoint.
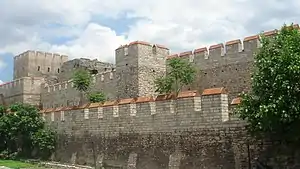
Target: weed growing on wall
[
  {"x": 181, "y": 73},
  {"x": 82, "y": 80}
]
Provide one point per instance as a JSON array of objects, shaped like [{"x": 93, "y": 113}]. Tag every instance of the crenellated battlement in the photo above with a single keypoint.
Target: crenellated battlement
[
  {"x": 208, "y": 56},
  {"x": 106, "y": 76},
  {"x": 189, "y": 106},
  {"x": 20, "y": 90},
  {"x": 16, "y": 83},
  {"x": 41, "y": 54},
  {"x": 141, "y": 43},
  {"x": 229, "y": 47}
]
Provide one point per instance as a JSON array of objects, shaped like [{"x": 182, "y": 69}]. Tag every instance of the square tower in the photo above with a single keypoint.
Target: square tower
[
  {"x": 37, "y": 64},
  {"x": 137, "y": 66}
]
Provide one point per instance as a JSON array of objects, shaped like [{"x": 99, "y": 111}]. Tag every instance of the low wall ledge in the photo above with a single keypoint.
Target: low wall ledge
[
  {"x": 236, "y": 101},
  {"x": 214, "y": 91}
]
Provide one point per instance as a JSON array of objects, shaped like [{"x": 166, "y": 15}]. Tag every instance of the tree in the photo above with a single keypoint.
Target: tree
[
  {"x": 97, "y": 97},
  {"x": 272, "y": 107},
  {"x": 23, "y": 130},
  {"x": 181, "y": 73},
  {"x": 82, "y": 80}
]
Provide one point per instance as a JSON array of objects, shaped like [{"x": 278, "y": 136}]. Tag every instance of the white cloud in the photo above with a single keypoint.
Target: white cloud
[
  {"x": 180, "y": 25},
  {"x": 95, "y": 42}
]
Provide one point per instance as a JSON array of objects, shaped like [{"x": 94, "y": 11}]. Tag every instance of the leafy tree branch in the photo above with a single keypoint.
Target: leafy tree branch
[
  {"x": 180, "y": 73},
  {"x": 272, "y": 108}
]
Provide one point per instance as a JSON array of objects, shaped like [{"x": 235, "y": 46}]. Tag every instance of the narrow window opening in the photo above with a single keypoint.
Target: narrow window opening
[
  {"x": 39, "y": 68},
  {"x": 58, "y": 70},
  {"x": 126, "y": 51},
  {"x": 154, "y": 49},
  {"x": 48, "y": 69}
]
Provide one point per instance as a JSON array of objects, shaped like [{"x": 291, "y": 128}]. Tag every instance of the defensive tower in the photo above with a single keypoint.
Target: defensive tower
[
  {"x": 137, "y": 66},
  {"x": 38, "y": 64}
]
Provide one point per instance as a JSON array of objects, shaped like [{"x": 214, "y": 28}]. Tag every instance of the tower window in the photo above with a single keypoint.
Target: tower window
[
  {"x": 58, "y": 70},
  {"x": 39, "y": 68},
  {"x": 154, "y": 49},
  {"x": 48, "y": 69},
  {"x": 126, "y": 51}
]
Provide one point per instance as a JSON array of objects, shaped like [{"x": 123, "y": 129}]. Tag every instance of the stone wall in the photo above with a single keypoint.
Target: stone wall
[
  {"x": 187, "y": 132},
  {"x": 24, "y": 90},
  {"x": 229, "y": 65},
  {"x": 63, "y": 93},
  {"x": 138, "y": 64},
  {"x": 94, "y": 66},
  {"x": 191, "y": 131}
]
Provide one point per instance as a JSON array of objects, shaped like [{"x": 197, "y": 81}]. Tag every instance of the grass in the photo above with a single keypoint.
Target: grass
[{"x": 15, "y": 164}]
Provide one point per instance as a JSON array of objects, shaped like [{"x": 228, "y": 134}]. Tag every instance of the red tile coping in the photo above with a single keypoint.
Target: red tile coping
[
  {"x": 161, "y": 46},
  {"x": 185, "y": 54},
  {"x": 270, "y": 33},
  {"x": 249, "y": 38},
  {"x": 42, "y": 111},
  {"x": 110, "y": 103},
  {"x": 232, "y": 42},
  {"x": 236, "y": 101},
  {"x": 214, "y": 91},
  {"x": 220, "y": 45},
  {"x": 140, "y": 43},
  {"x": 144, "y": 99},
  {"x": 143, "y": 43},
  {"x": 187, "y": 94},
  {"x": 95, "y": 105},
  {"x": 70, "y": 108},
  {"x": 49, "y": 110},
  {"x": 163, "y": 97},
  {"x": 172, "y": 56},
  {"x": 126, "y": 101},
  {"x": 83, "y": 106},
  {"x": 199, "y": 50},
  {"x": 59, "y": 109}
]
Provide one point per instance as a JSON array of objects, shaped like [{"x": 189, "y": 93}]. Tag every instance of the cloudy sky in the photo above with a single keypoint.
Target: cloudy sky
[{"x": 94, "y": 28}]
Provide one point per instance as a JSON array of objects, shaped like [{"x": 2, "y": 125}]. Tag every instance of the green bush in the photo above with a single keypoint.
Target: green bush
[{"x": 22, "y": 131}]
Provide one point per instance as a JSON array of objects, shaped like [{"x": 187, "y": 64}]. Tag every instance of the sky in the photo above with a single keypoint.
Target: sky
[{"x": 95, "y": 28}]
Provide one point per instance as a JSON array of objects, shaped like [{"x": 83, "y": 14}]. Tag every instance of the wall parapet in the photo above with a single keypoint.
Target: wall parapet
[
  {"x": 142, "y": 43},
  {"x": 236, "y": 101},
  {"x": 210, "y": 106},
  {"x": 40, "y": 54},
  {"x": 230, "y": 47},
  {"x": 100, "y": 77},
  {"x": 17, "y": 82}
]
